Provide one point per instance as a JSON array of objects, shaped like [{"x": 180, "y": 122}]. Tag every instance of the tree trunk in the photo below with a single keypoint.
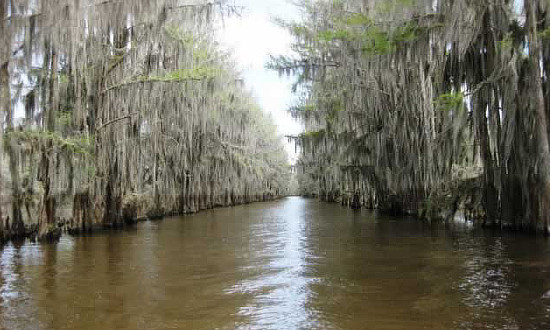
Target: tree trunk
[
  {"x": 4, "y": 97},
  {"x": 541, "y": 129},
  {"x": 18, "y": 226},
  {"x": 46, "y": 221}
]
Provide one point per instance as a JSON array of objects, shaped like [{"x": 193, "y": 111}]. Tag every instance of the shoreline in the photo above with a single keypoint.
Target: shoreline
[{"x": 62, "y": 228}]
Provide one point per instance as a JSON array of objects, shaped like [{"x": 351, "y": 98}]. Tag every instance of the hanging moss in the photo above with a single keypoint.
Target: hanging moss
[
  {"x": 135, "y": 104},
  {"x": 434, "y": 95}
]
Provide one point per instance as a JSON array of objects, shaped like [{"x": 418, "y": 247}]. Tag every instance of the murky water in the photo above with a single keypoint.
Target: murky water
[{"x": 291, "y": 264}]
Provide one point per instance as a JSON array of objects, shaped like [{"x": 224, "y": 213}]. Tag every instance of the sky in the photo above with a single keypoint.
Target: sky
[{"x": 251, "y": 38}]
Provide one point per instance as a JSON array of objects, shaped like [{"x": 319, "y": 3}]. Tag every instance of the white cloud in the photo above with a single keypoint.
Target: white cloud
[{"x": 252, "y": 38}]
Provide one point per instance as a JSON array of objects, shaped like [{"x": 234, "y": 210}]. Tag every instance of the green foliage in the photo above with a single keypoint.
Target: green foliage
[
  {"x": 90, "y": 170},
  {"x": 82, "y": 145},
  {"x": 64, "y": 118},
  {"x": 545, "y": 34},
  {"x": 450, "y": 101},
  {"x": 377, "y": 42},
  {"x": 358, "y": 20},
  {"x": 186, "y": 39},
  {"x": 303, "y": 108},
  {"x": 389, "y": 6},
  {"x": 313, "y": 135},
  {"x": 408, "y": 32},
  {"x": 201, "y": 54},
  {"x": 63, "y": 79},
  {"x": 298, "y": 29},
  {"x": 197, "y": 73},
  {"x": 360, "y": 28},
  {"x": 340, "y": 34},
  {"x": 283, "y": 64},
  {"x": 115, "y": 61},
  {"x": 507, "y": 42},
  {"x": 336, "y": 106}
]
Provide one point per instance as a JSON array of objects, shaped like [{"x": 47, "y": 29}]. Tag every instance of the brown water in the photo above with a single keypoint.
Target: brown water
[{"x": 291, "y": 264}]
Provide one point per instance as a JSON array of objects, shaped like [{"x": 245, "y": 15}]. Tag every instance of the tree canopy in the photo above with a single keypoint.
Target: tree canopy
[
  {"x": 425, "y": 106},
  {"x": 113, "y": 110}
]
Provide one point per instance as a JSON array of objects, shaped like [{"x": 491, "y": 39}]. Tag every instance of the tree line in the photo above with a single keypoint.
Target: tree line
[
  {"x": 426, "y": 107},
  {"x": 116, "y": 110}
]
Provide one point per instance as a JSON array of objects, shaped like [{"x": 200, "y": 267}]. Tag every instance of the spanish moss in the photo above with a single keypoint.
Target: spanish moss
[
  {"x": 426, "y": 107},
  {"x": 113, "y": 111}
]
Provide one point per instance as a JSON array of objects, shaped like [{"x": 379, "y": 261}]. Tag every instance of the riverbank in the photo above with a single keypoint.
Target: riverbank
[
  {"x": 462, "y": 199},
  {"x": 66, "y": 226}
]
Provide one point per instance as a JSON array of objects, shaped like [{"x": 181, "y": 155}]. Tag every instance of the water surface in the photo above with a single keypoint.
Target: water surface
[{"x": 290, "y": 264}]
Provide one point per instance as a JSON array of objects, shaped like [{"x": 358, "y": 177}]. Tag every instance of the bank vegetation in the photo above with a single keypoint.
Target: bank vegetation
[
  {"x": 118, "y": 110},
  {"x": 426, "y": 107}
]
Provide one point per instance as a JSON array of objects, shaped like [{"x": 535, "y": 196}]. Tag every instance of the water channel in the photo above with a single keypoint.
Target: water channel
[{"x": 291, "y": 264}]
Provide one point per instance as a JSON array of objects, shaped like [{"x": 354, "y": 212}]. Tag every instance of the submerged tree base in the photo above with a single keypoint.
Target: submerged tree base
[
  {"x": 52, "y": 234},
  {"x": 28, "y": 232},
  {"x": 464, "y": 200},
  {"x": 67, "y": 226}
]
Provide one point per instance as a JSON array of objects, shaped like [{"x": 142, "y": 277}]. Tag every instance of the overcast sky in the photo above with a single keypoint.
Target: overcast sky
[{"x": 252, "y": 38}]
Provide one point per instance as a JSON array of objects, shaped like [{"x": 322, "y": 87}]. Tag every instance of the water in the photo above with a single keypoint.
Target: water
[{"x": 290, "y": 264}]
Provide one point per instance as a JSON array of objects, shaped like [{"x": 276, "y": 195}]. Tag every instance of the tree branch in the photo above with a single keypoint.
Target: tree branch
[
  {"x": 151, "y": 80},
  {"x": 110, "y": 122}
]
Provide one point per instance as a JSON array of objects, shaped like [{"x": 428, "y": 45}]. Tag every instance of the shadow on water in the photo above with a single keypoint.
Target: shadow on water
[{"x": 291, "y": 264}]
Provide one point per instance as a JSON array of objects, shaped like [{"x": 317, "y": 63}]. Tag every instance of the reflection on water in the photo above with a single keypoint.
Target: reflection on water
[
  {"x": 291, "y": 264},
  {"x": 487, "y": 282},
  {"x": 280, "y": 290}
]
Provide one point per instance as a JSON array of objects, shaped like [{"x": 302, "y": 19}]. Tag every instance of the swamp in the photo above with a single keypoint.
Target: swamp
[{"x": 152, "y": 175}]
